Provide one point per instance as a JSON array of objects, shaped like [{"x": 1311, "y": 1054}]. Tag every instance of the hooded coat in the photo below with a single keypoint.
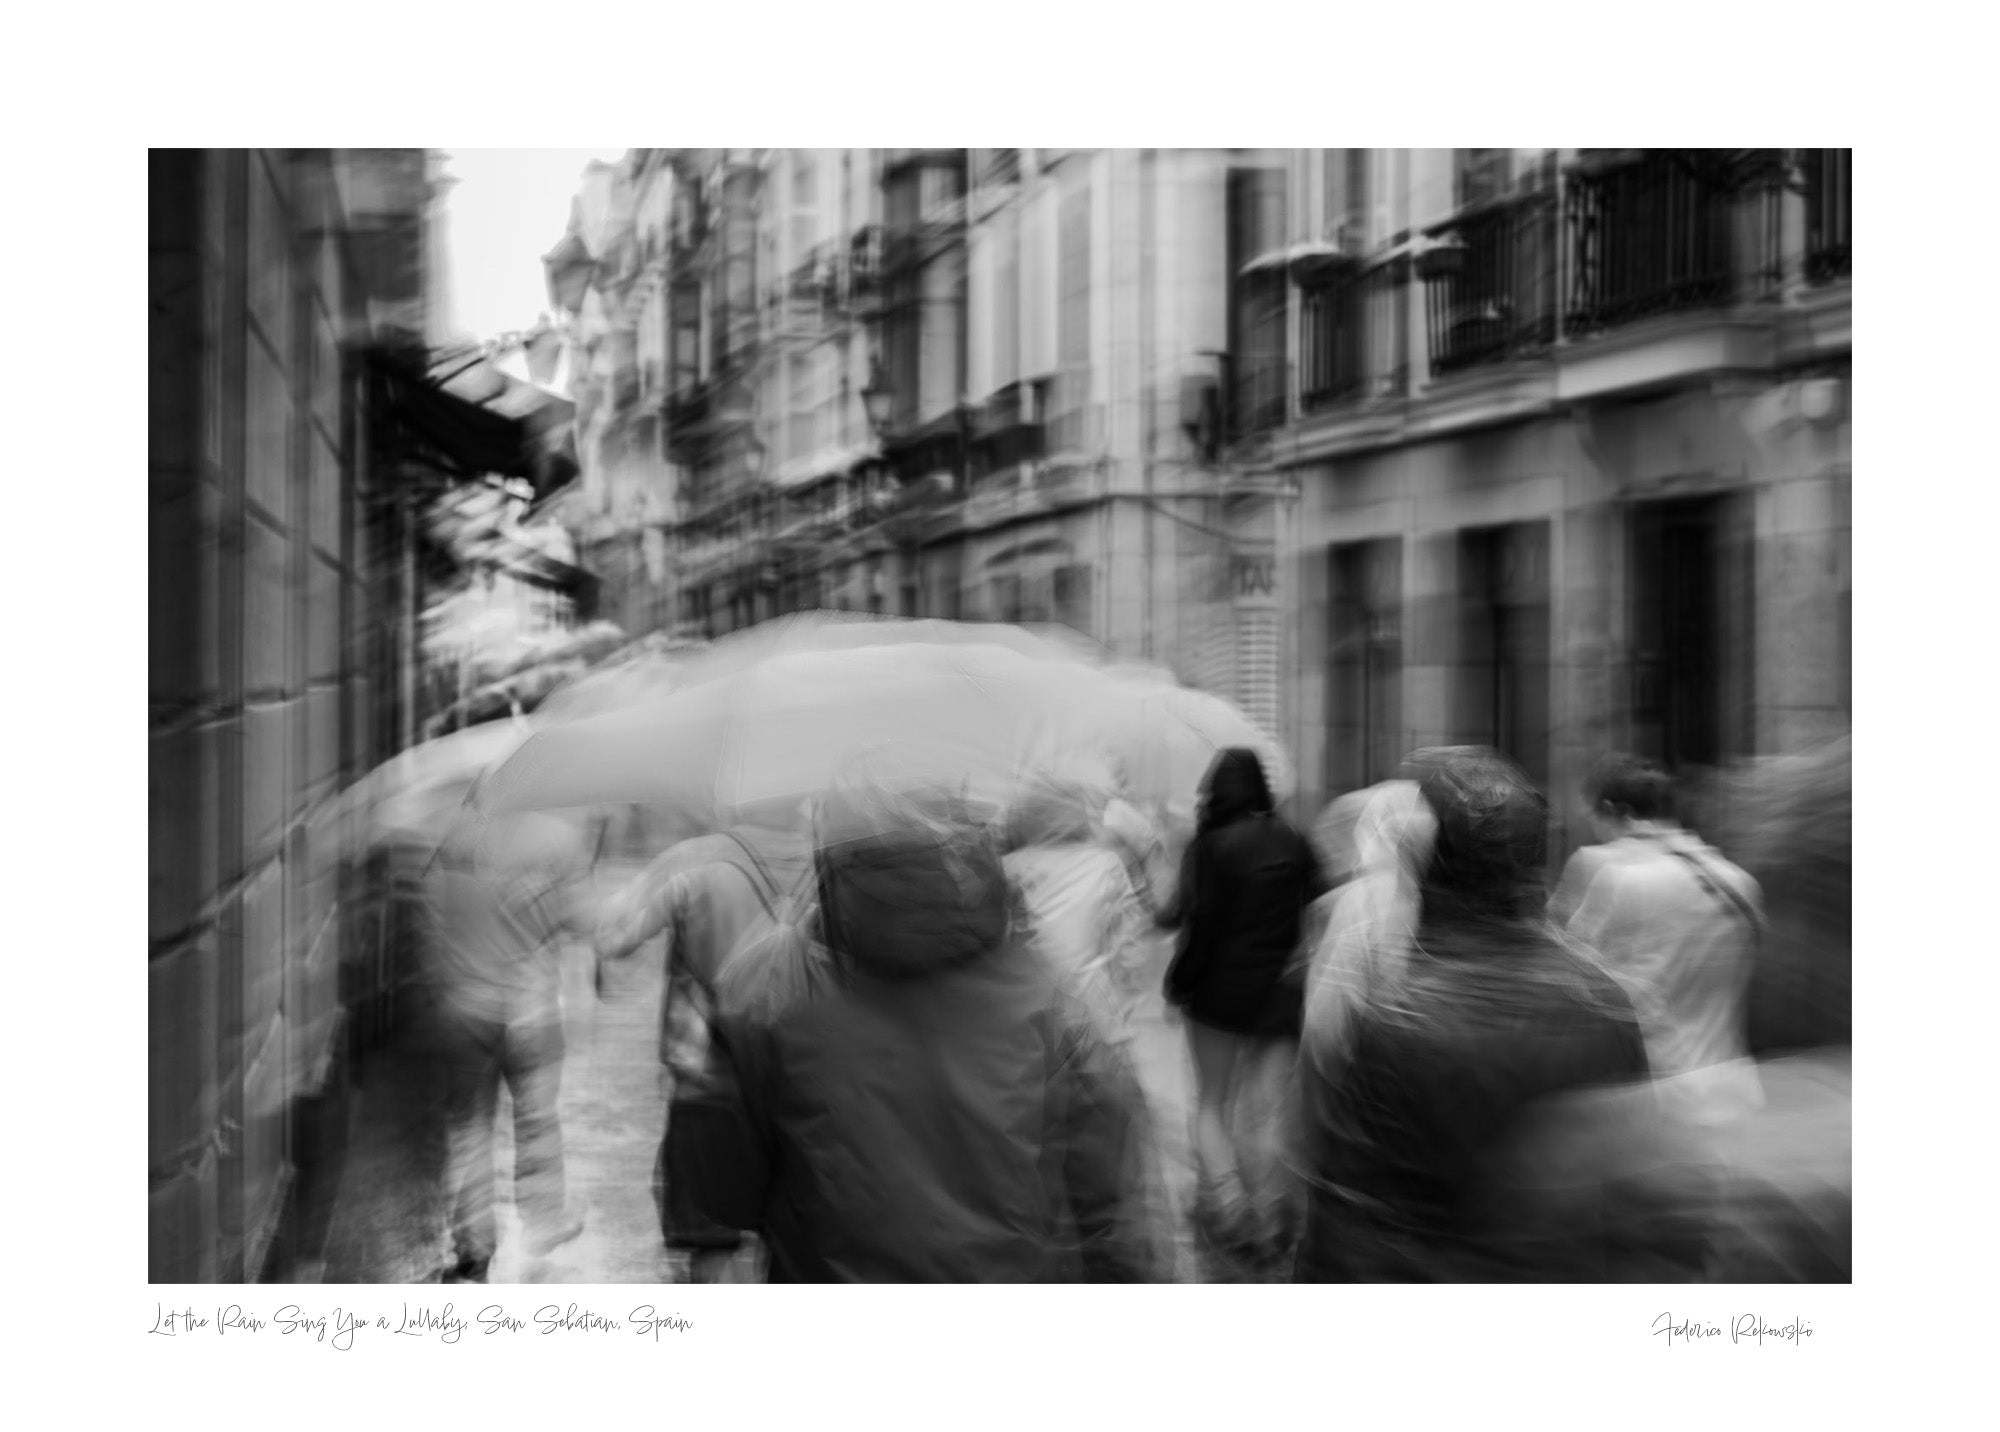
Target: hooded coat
[
  {"x": 1246, "y": 880},
  {"x": 900, "y": 1090},
  {"x": 1449, "y": 1047}
]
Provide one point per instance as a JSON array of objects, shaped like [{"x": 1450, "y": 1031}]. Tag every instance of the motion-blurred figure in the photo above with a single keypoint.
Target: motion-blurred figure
[
  {"x": 899, "y": 1089},
  {"x": 1487, "y": 1011},
  {"x": 1370, "y": 929},
  {"x": 1730, "y": 1180},
  {"x": 1246, "y": 880},
  {"x": 1678, "y": 925},
  {"x": 709, "y": 897},
  {"x": 1134, "y": 835},
  {"x": 501, "y": 896},
  {"x": 1788, "y": 821},
  {"x": 1079, "y": 898}
]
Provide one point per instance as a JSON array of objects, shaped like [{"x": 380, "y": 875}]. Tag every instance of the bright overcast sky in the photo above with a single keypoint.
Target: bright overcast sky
[{"x": 507, "y": 210}]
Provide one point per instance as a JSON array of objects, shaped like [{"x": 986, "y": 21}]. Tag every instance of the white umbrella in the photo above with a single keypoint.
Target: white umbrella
[
  {"x": 1174, "y": 734},
  {"x": 416, "y": 796},
  {"x": 755, "y": 742}
]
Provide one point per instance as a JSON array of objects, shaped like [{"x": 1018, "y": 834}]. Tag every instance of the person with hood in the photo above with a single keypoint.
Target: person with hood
[
  {"x": 1486, "y": 1012},
  {"x": 709, "y": 896},
  {"x": 899, "y": 1088},
  {"x": 1246, "y": 881},
  {"x": 500, "y": 897}
]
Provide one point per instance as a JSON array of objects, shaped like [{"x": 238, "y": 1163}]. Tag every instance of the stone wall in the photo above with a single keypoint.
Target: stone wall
[{"x": 260, "y": 709}]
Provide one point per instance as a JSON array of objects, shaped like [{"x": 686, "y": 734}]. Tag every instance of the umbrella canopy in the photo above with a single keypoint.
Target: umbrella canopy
[
  {"x": 847, "y": 631},
  {"x": 1173, "y": 735},
  {"x": 613, "y": 688},
  {"x": 754, "y": 742},
  {"x": 416, "y": 796}
]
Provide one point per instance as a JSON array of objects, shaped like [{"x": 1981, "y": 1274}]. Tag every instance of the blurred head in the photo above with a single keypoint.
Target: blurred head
[
  {"x": 909, "y": 878},
  {"x": 1395, "y": 830},
  {"x": 1624, "y": 789},
  {"x": 1052, "y": 810},
  {"x": 1492, "y": 831},
  {"x": 1234, "y": 787}
]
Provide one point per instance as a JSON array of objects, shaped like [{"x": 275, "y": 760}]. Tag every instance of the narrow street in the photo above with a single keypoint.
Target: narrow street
[{"x": 390, "y": 1218}]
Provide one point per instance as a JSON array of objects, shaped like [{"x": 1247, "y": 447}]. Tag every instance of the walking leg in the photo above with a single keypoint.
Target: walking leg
[
  {"x": 472, "y": 1076},
  {"x": 1219, "y": 1189},
  {"x": 534, "y": 1077}
]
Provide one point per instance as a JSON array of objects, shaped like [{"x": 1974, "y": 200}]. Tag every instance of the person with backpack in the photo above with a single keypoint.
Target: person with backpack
[
  {"x": 708, "y": 897},
  {"x": 1678, "y": 926}
]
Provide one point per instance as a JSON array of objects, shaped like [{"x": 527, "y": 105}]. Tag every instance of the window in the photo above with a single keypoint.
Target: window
[
  {"x": 1482, "y": 175},
  {"x": 1348, "y": 194},
  {"x": 1073, "y": 281},
  {"x": 1364, "y": 663},
  {"x": 1006, "y": 315},
  {"x": 1505, "y": 637},
  {"x": 1690, "y": 631},
  {"x": 799, "y": 408},
  {"x": 1073, "y": 597},
  {"x": 1004, "y": 599},
  {"x": 1257, "y": 300}
]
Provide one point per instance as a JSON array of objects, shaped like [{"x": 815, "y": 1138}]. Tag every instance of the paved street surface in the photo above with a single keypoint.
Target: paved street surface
[{"x": 390, "y": 1220}]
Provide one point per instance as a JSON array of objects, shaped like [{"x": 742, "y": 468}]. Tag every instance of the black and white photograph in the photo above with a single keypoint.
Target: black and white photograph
[{"x": 978, "y": 716}]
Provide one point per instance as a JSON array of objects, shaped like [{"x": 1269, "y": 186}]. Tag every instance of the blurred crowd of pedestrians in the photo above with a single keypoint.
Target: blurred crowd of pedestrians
[{"x": 897, "y": 1040}]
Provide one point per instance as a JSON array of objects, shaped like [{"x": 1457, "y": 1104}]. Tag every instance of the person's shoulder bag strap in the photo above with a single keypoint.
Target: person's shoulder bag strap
[{"x": 1723, "y": 892}]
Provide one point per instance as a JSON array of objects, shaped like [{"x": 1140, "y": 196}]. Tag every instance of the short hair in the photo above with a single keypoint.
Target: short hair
[{"x": 1633, "y": 785}]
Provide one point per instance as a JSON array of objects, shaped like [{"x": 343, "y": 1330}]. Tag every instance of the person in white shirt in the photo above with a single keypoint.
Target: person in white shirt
[
  {"x": 1079, "y": 898},
  {"x": 1678, "y": 925}
]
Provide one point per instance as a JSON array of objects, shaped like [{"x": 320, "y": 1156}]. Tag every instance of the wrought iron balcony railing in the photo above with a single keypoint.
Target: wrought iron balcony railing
[
  {"x": 1354, "y": 339},
  {"x": 1647, "y": 235},
  {"x": 1829, "y": 184},
  {"x": 1491, "y": 289}
]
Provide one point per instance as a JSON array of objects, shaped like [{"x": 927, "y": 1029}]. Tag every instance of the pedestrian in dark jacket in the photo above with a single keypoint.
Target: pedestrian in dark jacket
[
  {"x": 899, "y": 1090},
  {"x": 1246, "y": 880},
  {"x": 1490, "y": 1013}
]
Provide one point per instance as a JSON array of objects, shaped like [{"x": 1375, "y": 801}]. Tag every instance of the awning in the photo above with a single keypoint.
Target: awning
[{"x": 463, "y": 437}]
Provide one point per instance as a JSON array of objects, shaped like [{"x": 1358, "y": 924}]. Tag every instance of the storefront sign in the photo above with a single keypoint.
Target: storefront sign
[{"x": 1254, "y": 578}]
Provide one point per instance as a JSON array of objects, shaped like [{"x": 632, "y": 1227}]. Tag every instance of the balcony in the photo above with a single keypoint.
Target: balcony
[
  {"x": 1006, "y": 432},
  {"x": 1492, "y": 284},
  {"x": 1647, "y": 236},
  {"x": 1354, "y": 341},
  {"x": 1829, "y": 185}
]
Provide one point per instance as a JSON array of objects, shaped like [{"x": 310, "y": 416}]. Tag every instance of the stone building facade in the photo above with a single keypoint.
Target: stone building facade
[
  {"x": 282, "y": 665},
  {"x": 1567, "y": 456},
  {"x": 1541, "y": 448}
]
